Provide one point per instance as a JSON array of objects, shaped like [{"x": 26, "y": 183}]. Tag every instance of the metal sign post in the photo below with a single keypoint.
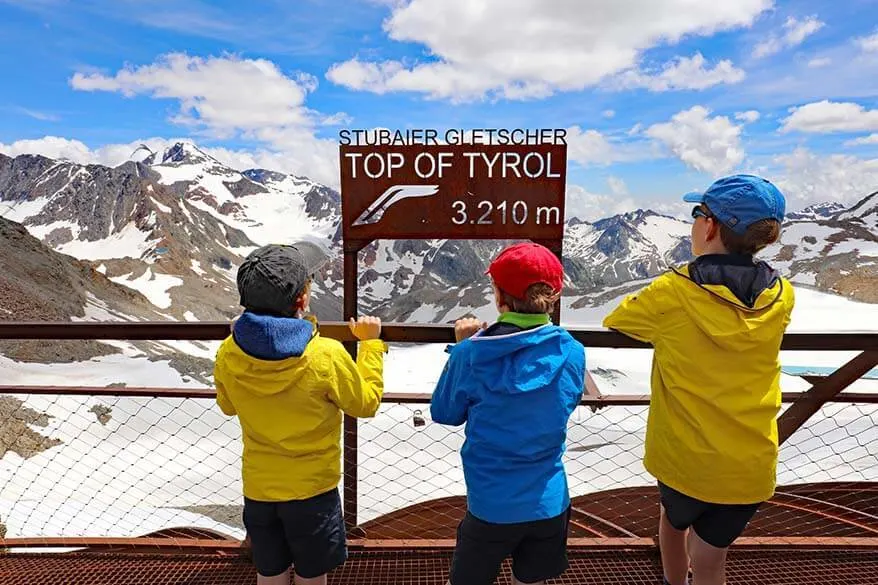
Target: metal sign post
[{"x": 409, "y": 185}]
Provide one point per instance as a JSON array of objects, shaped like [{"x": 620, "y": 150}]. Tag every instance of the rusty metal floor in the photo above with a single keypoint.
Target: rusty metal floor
[
  {"x": 839, "y": 509},
  {"x": 429, "y": 567},
  {"x": 823, "y": 534}
]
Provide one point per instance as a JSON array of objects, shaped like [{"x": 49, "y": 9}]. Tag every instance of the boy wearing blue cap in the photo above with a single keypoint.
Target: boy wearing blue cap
[{"x": 716, "y": 326}]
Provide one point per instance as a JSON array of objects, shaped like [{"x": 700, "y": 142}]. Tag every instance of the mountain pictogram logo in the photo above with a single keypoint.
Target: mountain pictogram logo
[{"x": 392, "y": 196}]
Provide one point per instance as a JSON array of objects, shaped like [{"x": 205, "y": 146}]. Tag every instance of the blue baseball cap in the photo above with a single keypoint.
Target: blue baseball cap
[{"x": 739, "y": 201}]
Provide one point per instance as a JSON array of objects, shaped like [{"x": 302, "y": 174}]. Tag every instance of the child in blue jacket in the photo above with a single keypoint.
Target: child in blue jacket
[{"x": 515, "y": 385}]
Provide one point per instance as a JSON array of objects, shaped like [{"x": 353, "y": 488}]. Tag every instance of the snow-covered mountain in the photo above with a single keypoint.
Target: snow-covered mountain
[
  {"x": 173, "y": 225},
  {"x": 40, "y": 284},
  {"x": 836, "y": 254},
  {"x": 865, "y": 212},
  {"x": 817, "y": 211}
]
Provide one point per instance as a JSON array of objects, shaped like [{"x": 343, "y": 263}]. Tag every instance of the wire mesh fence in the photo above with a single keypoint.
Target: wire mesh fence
[
  {"x": 118, "y": 466},
  {"x": 73, "y": 465}
]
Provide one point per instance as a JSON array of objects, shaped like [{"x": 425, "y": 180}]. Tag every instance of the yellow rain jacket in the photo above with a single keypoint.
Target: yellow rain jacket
[
  {"x": 712, "y": 431},
  {"x": 289, "y": 387}
]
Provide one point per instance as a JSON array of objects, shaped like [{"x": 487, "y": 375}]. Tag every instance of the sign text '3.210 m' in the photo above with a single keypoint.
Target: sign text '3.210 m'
[{"x": 468, "y": 191}]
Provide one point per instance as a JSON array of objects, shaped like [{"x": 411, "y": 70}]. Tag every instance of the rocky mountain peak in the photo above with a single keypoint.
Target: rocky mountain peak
[
  {"x": 823, "y": 210},
  {"x": 264, "y": 176},
  {"x": 180, "y": 154}
]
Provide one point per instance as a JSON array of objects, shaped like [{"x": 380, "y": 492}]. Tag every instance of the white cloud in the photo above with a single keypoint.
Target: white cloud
[
  {"x": 589, "y": 206},
  {"x": 869, "y": 44},
  {"x": 769, "y": 47},
  {"x": 222, "y": 94},
  {"x": 38, "y": 115},
  {"x": 681, "y": 73},
  {"x": 590, "y": 147},
  {"x": 338, "y": 119},
  {"x": 808, "y": 178},
  {"x": 818, "y": 62},
  {"x": 438, "y": 80},
  {"x": 795, "y": 33},
  {"x": 748, "y": 117},
  {"x": 799, "y": 30},
  {"x": 711, "y": 145},
  {"x": 594, "y": 206},
  {"x": 530, "y": 48},
  {"x": 51, "y": 147},
  {"x": 825, "y": 116},
  {"x": 112, "y": 155},
  {"x": 228, "y": 96},
  {"x": 617, "y": 186},
  {"x": 609, "y": 114},
  {"x": 863, "y": 141}
]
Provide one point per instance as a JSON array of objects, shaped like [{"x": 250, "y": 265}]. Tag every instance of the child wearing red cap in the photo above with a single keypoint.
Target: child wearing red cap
[{"x": 515, "y": 385}]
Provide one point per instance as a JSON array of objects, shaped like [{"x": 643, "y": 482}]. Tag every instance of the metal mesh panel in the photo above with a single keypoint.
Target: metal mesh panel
[
  {"x": 128, "y": 468},
  {"x": 123, "y": 466},
  {"x": 430, "y": 567}
]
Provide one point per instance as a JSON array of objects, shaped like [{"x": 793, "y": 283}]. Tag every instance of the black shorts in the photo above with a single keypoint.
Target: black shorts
[
  {"x": 716, "y": 524},
  {"x": 307, "y": 534},
  {"x": 538, "y": 549}
]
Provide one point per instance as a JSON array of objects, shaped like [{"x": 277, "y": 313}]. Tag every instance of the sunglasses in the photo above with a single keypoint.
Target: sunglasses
[{"x": 697, "y": 212}]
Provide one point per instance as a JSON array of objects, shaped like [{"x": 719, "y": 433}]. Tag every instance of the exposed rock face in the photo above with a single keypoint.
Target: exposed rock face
[{"x": 17, "y": 436}]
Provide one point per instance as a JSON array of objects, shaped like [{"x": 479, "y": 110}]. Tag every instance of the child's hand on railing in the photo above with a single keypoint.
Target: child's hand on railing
[
  {"x": 366, "y": 328},
  {"x": 467, "y": 327}
]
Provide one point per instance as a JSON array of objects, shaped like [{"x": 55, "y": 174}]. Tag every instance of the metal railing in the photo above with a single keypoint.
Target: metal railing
[{"x": 405, "y": 465}]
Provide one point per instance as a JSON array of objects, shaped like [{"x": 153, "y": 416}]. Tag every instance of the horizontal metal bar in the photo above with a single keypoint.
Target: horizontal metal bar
[
  {"x": 440, "y": 543},
  {"x": 230, "y": 545},
  {"x": 391, "y": 332},
  {"x": 108, "y": 542},
  {"x": 158, "y": 392},
  {"x": 817, "y": 542},
  {"x": 634, "y": 399},
  {"x": 388, "y": 398},
  {"x": 126, "y": 391},
  {"x": 353, "y": 544}
]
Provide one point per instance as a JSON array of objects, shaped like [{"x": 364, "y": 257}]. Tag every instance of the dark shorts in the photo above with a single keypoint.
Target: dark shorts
[
  {"x": 308, "y": 534},
  {"x": 538, "y": 550},
  {"x": 716, "y": 524}
]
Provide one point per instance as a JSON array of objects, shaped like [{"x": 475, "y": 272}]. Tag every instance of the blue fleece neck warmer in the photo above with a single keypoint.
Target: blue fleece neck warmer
[{"x": 272, "y": 338}]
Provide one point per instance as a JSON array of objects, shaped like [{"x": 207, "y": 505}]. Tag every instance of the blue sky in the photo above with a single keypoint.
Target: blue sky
[{"x": 661, "y": 96}]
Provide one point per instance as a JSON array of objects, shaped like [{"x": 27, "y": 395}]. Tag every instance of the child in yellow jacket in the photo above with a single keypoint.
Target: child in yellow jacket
[
  {"x": 716, "y": 326},
  {"x": 289, "y": 386}
]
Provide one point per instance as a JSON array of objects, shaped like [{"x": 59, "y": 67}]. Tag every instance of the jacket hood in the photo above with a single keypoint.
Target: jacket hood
[
  {"x": 521, "y": 362},
  {"x": 268, "y": 350},
  {"x": 743, "y": 277},
  {"x": 731, "y": 297},
  {"x": 272, "y": 338}
]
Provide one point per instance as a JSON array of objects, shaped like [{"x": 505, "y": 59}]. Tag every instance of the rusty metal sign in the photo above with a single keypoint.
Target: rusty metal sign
[{"x": 460, "y": 191}]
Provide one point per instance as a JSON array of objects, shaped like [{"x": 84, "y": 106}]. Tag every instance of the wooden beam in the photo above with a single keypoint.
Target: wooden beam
[
  {"x": 391, "y": 332},
  {"x": 819, "y": 394}
]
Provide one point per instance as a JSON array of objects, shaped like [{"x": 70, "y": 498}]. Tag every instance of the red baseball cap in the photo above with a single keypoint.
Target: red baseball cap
[{"x": 521, "y": 265}]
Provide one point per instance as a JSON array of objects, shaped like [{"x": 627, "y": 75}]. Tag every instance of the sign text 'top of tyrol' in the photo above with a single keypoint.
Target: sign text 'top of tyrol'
[{"x": 475, "y": 184}]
